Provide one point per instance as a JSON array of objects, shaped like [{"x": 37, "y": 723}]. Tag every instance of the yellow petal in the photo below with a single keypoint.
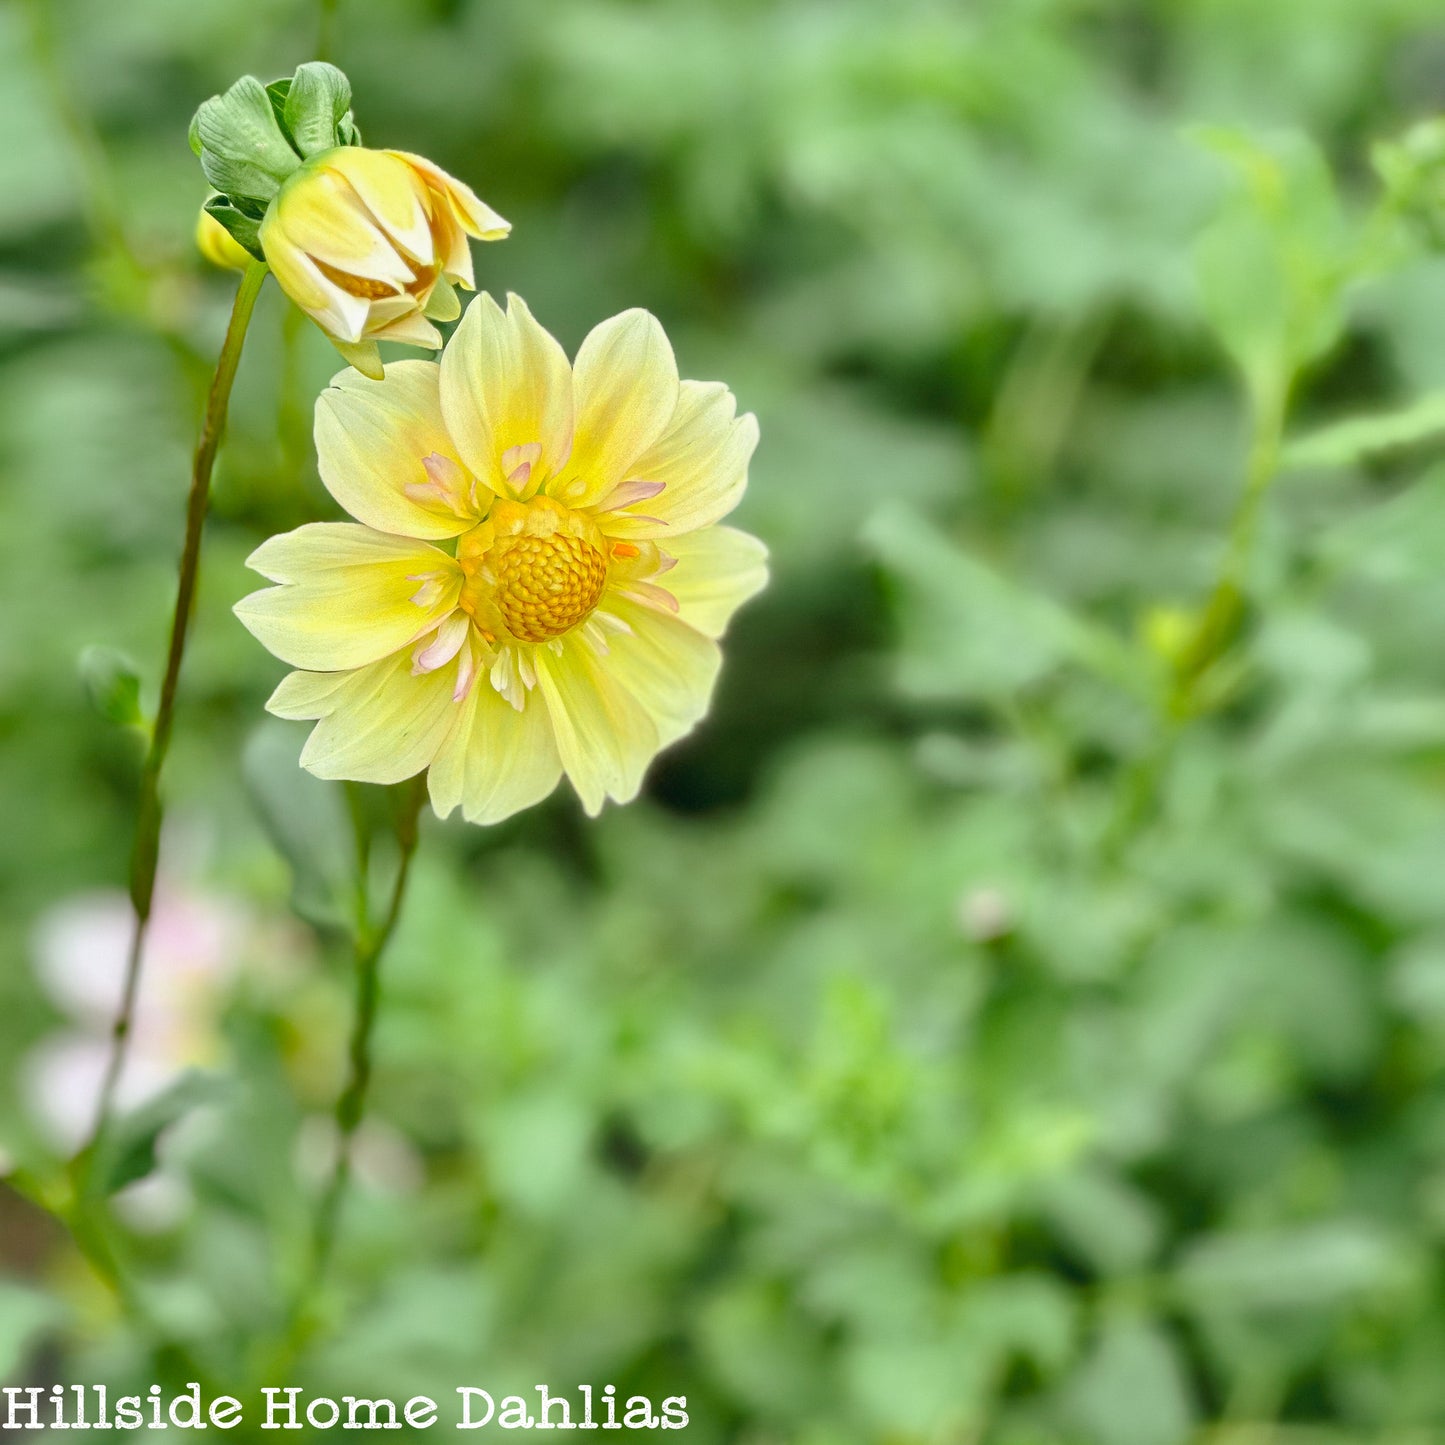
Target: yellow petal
[
  {"x": 302, "y": 695},
  {"x": 349, "y": 595},
  {"x": 378, "y": 724},
  {"x": 496, "y": 760},
  {"x": 662, "y": 663},
  {"x": 411, "y": 327},
  {"x": 218, "y": 245},
  {"x": 478, "y": 218},
  {"x": 611, "y": 714},
  {"x": 717, "y": 570},
  {"x": 701, "y": 460},
  {"x": 505, "y": 383},
  {"x": 626, "y": 387},
  {"x": 373, "y": 439},
  {"x": 392, "y": 192},
  {"x": 604, "y": 736},
  {"x": 320, "y": 213},
  {"x": 338, "y": 313}
]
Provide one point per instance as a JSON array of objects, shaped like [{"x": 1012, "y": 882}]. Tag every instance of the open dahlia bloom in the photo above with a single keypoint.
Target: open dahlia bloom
[
  {"x": 368, "y": 244},
  {"x": 573, "y": 626}
]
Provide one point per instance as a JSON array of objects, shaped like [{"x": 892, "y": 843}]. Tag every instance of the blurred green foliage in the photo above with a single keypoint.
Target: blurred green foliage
[{"x": 1018, "y": 1016}]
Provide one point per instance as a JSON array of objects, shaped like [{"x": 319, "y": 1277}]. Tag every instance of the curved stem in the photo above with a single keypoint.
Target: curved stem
[
  {"x": 371, "y": 942},
  {"x": 145, "y": 851}
]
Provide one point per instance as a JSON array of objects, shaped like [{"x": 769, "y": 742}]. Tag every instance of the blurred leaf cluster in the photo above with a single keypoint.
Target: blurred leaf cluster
[{"x": 1018, "y": 1016}]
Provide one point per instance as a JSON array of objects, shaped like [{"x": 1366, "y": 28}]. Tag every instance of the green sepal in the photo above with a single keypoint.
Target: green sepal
[
  {"x": 317, "y": 104},
  {"x": 244, "y": 151},
  {"x": 444, "y": 304},
  {"x": 245, "y": 230},
  {"x": 365, "y": 356},
  {"x": 253, "y": 137}
]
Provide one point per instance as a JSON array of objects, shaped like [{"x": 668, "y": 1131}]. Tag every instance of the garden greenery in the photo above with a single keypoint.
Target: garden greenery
[{"x": 1019, "y": 1014}]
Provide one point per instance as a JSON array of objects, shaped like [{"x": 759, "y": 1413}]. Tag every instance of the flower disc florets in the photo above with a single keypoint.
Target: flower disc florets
[{"x": 533, "y": 570}]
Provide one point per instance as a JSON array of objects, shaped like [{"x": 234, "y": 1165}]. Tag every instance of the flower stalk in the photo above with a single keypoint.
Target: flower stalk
[
  {"x": 371, "y": 940},
  {"x": 146, "y": 848},
  {"x": 1219, "y": 618}
]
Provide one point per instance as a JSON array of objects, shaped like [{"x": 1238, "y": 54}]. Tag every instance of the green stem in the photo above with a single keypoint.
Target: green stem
[
  {"x": 371, "y": 942},
  {"x": 326, "y": 29},
  {"x": 145, "y": 852},
  {"x": 1220, "y": 617}
]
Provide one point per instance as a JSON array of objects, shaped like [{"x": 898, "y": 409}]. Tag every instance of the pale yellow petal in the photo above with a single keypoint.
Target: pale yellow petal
[
  {"x": 626, "y": 388},
  {"x": 340, "y": 314},
  {"x": 320, "y": 213},
  {"x": 349, "y": 595},
  {"x": 301, "y": 695},
  {"x": 472, "y": 213},
  {"x": 382, "y": 723},
  {"x": 701, "y": 460},
  {"x": 373, "y": 439},
  {"x": 665, "y": 665},
  {"x": 496, "y": 760},
  {"x": 412, "y": 328},
  {"x": 505, "y": 383},
  {"x": 605, "y": 737},
  {"x": 717, "y": 570},
  {"x": 392, "y": 192}
]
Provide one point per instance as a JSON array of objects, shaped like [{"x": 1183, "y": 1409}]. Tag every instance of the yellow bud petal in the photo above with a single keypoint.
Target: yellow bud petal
[{"x": 218, "y": 245}]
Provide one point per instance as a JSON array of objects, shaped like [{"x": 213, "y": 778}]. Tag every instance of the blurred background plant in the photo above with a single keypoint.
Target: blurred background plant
[{"x": 1018, "y": 1016}]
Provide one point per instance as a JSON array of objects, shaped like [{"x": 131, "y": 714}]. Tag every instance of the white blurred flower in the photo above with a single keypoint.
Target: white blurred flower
[
  {"x": 382, "y": 1158},
  {"x": 79, "y": 952},
  {"x": 985, "y": 914}
]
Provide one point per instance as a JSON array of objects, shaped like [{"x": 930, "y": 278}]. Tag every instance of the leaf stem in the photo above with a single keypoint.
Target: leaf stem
[{"x": 146, "y": 848}]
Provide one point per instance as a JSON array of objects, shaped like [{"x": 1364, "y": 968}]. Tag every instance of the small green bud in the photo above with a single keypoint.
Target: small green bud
[
  {"x": 1412, "y": 169},
  {"x": 113, "y": 685}
]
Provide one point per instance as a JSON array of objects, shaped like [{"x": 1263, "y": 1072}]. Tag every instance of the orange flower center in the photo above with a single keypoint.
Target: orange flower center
[
  {"x": 534, "y": 570},
  {"x": 547, "y": 585}
]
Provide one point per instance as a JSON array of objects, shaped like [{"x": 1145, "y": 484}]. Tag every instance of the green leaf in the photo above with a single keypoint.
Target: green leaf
[
  {"x": 1348, "y": 442},
  {"x": 971, "y": 630},
  {"x": 1310, "y": 1267},
  {"x": 318, "y": 100},
  {"x": 113, "y": 685},
  {"x": 1272, "y": 266},
  {"x": 1133, "y": 1389},
  {"x": 244, "y": 151},
  {"x": 308, "y": 823},
  {"x": 129, "y": 1153}
]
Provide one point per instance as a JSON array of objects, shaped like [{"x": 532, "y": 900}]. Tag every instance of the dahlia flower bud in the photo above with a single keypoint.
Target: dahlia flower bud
[
  {"x": 367, "y": 243},
  {"x": 217, "y": 245}
]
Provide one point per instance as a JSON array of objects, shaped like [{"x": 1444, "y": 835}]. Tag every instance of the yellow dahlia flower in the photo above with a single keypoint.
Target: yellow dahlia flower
[
  {"x": 368, "y": 244},
  {"x": 218, "y": 246},
  {"x": 573, "y": 626}
]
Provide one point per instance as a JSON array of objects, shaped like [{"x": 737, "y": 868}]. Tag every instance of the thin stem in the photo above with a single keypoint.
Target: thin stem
[
  {"x": 371, "y": 942},
  {"x": 1220, "y": 616},
  {"x": 326, "y": 29},
  {"x": 146, "y": 847}
]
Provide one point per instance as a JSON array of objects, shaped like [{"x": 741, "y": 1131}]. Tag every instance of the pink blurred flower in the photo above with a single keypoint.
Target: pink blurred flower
[{"x": 79, "y": 952}]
